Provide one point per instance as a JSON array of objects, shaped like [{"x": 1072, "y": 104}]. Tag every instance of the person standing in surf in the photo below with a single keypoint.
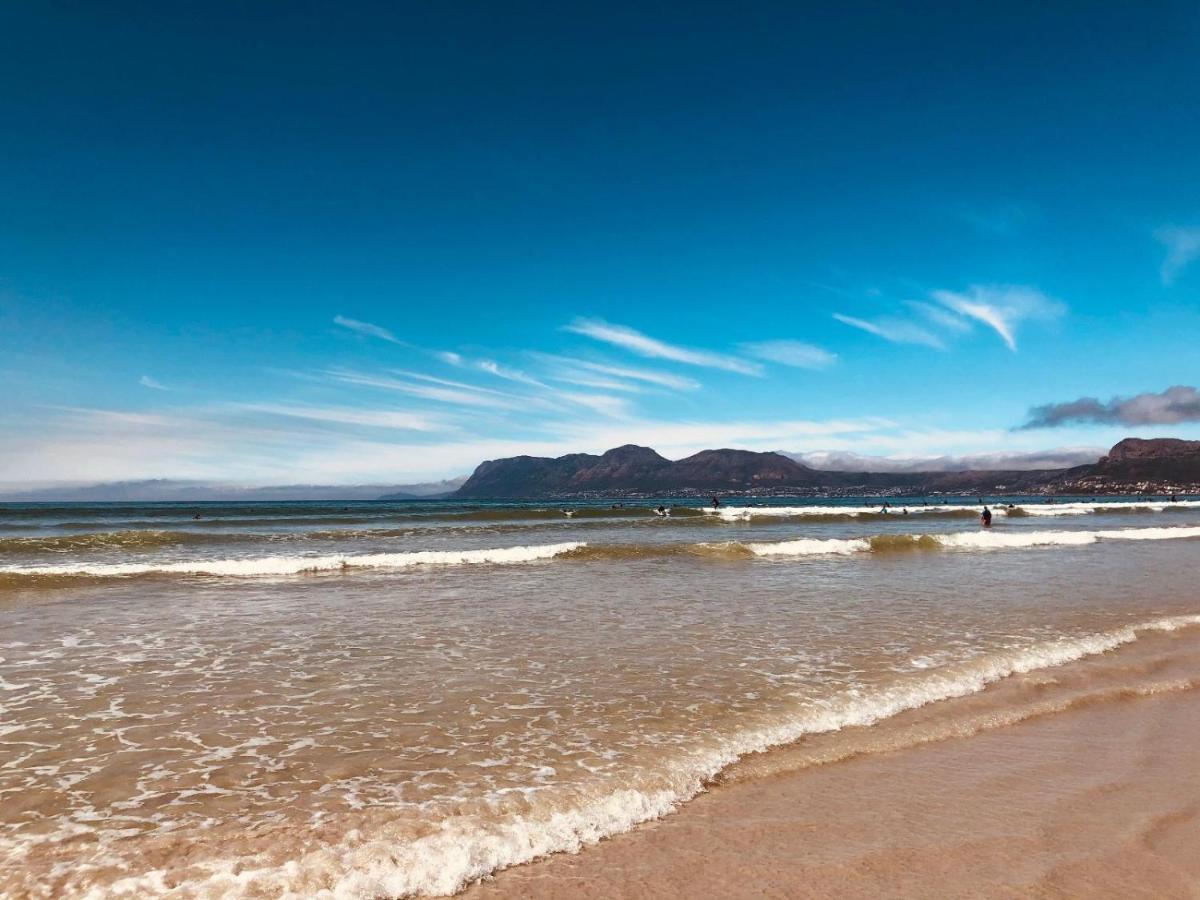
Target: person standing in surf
[{"x": 985, "y": 518}]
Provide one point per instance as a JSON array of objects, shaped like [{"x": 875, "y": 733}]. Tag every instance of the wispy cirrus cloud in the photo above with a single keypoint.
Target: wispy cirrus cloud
[
  {"x": 367, "y": 329},
  {"x": 152, "y": 383},
  {"x": 508, "y": 374},
  {"x": 584, "y": 371},
  {"x": 644, "y": 345},
  {"x": 1183, "y": 248},
  {"x": 1001, "y": 307},
  {"x": 894, "y": 330},
  {"x": 790, "y": 353},
  {"x": 1177, "y": 404},
  {"x": 939, "y": 316},
  {"x": 429, "y": 388},
  {"x": 374, "y": 418}
]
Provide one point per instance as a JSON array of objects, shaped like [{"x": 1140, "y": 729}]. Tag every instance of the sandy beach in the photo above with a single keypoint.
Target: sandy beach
[{"x": 1097, "y": 799}]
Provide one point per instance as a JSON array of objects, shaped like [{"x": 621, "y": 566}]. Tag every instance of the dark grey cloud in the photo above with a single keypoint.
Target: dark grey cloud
[{"x": 1180, "y": 403}]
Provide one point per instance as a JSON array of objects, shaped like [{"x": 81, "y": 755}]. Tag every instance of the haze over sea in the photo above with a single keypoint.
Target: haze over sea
[{"x": 384, "y": 699}]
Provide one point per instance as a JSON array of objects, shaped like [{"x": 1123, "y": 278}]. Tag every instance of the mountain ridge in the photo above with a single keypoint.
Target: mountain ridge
[{"x": 1161, "y": 464}]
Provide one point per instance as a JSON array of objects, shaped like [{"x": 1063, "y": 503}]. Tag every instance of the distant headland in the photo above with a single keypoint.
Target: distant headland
[{"x": 1132, "y": 466}]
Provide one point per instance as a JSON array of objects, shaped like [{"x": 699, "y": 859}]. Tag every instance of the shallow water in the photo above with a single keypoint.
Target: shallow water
[{"x": 381, "y": 699}]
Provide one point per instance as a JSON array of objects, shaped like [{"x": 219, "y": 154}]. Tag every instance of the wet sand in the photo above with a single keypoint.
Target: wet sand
[{"x": 1099, "y": 800}]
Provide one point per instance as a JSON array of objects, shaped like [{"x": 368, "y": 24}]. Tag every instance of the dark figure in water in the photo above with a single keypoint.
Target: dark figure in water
[
  {"x": 196, "y": 516},
  {"x": 716, "y": 502},
  {"x": 985, "y": 518},
  {"x": 1174, "y": 499},
  {"x": 661, "y": 511}
]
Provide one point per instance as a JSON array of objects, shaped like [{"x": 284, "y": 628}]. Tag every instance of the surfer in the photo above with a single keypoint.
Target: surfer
[
  {"x": 661, "y": 511},
  {"x": 716, "y": 502},
  {"x": 985, "y": 518}
]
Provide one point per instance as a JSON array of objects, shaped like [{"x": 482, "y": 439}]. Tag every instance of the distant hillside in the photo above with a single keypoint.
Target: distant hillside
[
  {"x": 631, "y": 468},
  {"x": 1167, "y": 462},
  {"x": 1163, "y": 464}
]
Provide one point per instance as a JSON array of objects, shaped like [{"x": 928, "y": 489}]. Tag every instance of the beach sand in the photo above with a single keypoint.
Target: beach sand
[{"x": 1098, "y": 796}]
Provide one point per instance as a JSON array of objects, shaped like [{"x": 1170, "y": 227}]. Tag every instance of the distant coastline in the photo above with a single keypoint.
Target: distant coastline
[{"x": 1133, "y": 466}]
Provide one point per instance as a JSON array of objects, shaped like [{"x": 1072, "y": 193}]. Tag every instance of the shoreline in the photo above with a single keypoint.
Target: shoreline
[{"x": 1088, "y": 785}]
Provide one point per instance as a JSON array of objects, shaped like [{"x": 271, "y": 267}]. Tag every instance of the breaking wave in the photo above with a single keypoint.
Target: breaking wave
[
  {"x": 943, "y": 510},
  {"x": 971, "y": 540},
  {"x": 275, "y": 566},
  {"x": 297, "y": 565},
  {"x": 465, "y": 849}
]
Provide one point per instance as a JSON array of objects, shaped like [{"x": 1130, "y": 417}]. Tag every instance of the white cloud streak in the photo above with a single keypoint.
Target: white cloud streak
[
  {"x": 1001, "y": 307},
  {"x": 644, "y": 345},
  {"x": 576, "y": 371},
  {"x": 374, "y": 418},
  {"x": 895, "y": 331},
  {"x": 942, "y": 318},
  {"x": 791, "y": 353},
  {"x": 494, "y": 368},
  {"x": 367, "y": 329},
  {"x": 152, "y": 383},
  {"x": 428, "y": 388}
]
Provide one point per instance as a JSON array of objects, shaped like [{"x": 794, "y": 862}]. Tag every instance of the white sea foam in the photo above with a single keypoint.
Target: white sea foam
[
  {"x": 295, "y": 565},
  {"x": 745, "y": 513},
  {"x": 1079, "y": 508},
  {"x": 442, "y": 862},
  {"x": 811, "y": 547},
  {"x": 1074, "y": 508},
  {"x": 968, "y": 540}
]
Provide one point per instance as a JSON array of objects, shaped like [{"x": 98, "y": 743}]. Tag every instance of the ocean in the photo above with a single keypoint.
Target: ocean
[{"x": 397, "y": 699}]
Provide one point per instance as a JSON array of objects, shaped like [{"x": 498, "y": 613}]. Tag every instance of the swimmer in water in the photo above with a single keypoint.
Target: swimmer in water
[{"x": 985, "y": 518}]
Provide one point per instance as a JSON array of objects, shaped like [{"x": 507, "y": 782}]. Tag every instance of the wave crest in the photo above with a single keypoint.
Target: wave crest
[{"x": 299, "y": 565}]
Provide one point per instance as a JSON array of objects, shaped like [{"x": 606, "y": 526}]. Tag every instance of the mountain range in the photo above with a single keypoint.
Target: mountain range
[{"x": 1134, "y": 464}]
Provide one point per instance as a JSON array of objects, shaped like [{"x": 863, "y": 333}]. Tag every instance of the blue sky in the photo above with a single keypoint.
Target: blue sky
[{"x": 380, "y": 242}]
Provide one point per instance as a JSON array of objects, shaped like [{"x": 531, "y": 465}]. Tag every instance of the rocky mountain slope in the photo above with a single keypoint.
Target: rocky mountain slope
[{"x": 1163, "y": 464}]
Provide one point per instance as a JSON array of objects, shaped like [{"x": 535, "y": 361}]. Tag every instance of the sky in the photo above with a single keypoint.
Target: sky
[{"x": 356, "y": 242}]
